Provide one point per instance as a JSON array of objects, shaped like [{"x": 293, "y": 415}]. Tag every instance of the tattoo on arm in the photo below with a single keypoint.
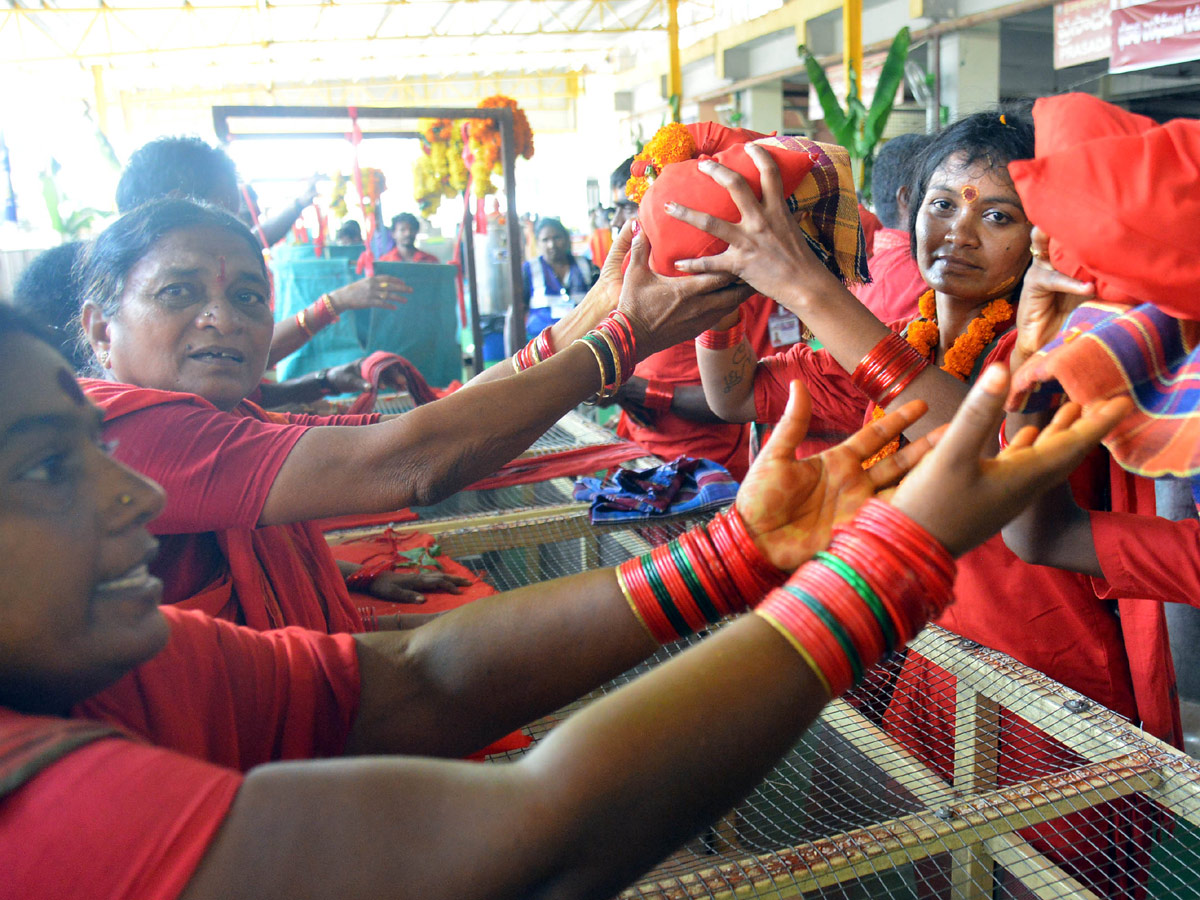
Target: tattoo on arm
[{"x": 742, "y": 361}]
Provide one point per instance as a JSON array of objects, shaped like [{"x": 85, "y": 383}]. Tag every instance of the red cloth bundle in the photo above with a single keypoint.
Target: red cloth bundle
[{"x": 1117, "y": 194}]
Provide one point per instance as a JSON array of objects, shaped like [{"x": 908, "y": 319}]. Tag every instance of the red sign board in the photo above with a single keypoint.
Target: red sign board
[
  {"x": 1082, "y": 31},
  {"x": 1155, "y": 34}
]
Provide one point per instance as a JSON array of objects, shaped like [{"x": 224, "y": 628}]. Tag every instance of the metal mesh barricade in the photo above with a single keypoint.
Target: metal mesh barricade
[{"x": 952, "y": 772}]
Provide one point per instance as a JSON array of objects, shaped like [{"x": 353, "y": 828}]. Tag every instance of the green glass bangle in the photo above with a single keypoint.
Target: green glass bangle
[
  {"x": 664, "y": 597},
  {"x": 866, "y": 592},
  {"x": 835, "y": 628},
  {"x": 693, "y": 582}
]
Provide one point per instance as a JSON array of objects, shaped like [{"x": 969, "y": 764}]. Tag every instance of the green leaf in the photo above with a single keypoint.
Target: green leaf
[
  {"x": 889, "y": 82},
  {"x": 835, "y": 116},
  {"x": 50, "y": 195}
]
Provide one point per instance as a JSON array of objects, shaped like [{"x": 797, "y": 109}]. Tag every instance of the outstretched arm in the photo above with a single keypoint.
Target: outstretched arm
[
  {"x": 617, "y": 786},
  {"x": 436, "y": 449},
  {"x": 381, "y": 292},
  {"x": 1053, "y": 530}
]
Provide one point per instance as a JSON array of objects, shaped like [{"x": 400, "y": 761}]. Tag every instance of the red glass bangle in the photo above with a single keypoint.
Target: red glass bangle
[
  {"x": 864, "y": 553},
  {"x": 893, "y": 526},
  {"x": 845, "y": 605},
  {"x": 645, "y": 601},
  {"x": 677, "y": 587},
  {"x": 545, "y": 349},
  {"x": 362, "y": 579},
  {"x": 659, "y": 395},
  {"x": 724, "y": 340},
  {"x": 759, "y": 564},
  {"x": 811, "y": 634},
  {"x": 900, "y": 383},
  {"x": 698, "y": 548},
  {"x": 724, "y": 595}
]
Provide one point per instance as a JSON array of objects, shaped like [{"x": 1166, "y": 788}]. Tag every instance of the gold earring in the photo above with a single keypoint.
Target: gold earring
[{"x": 102, "y": 357}]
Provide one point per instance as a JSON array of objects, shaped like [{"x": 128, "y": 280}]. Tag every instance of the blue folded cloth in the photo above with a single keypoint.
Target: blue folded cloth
[{"x": 684, "y": 486}]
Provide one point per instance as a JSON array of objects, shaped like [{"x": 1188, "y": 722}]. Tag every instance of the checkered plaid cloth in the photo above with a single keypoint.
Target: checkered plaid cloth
[
  {"x": 1106, "y": 350},
  {"x": 825, "y": 206}
]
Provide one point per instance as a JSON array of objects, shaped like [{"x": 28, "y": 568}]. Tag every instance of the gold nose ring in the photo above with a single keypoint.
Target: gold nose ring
[{"x": 125, "y": 499}]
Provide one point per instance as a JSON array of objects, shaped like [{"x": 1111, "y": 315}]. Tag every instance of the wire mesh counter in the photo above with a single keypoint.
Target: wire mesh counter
[{"x": 1029, "y": 791}]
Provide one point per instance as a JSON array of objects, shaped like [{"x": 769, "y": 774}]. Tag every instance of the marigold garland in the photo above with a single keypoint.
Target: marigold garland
[
  {"x": 484, "y": 143},
  {"x": 923, "y": 336},
  {"x": 672, "y": 143},
  {"x": 441, "y": 171}
]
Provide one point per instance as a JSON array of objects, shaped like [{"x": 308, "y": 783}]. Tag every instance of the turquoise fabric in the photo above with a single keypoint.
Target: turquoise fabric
[{"x": 424, "y": 330}]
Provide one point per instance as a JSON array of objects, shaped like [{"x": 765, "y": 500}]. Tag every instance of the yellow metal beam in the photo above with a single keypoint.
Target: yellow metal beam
[
  {"x": 852, "y": 46},
  {"x": 675, "y": 80}
]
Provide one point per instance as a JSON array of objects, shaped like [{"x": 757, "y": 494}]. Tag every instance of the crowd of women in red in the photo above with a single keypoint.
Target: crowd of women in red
[{"x": 146, "y": 682}]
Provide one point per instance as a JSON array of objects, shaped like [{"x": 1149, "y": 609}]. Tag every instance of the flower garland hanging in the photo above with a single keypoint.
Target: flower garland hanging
[
  {"x": 337, "y": 198},
  {"x": 373, "y": 185},
  {"x": 484, "y": 143},
  {"x": 441, "y": 171},
  {"x": 671, "y": 143},
  {"x": 922, "y": 335}
]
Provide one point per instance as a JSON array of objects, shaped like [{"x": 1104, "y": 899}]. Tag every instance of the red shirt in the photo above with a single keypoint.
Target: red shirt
[
  {"x": 671, "y": 435},
  {"x": 133, "y": 817},
  {"x": 419, "y": 256},
  {"x": 217, "y": 469},
  {"x": 896, "y": 282}
]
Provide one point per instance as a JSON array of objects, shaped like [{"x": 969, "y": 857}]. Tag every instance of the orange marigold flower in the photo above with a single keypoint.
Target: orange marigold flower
[{"x": 671, "y": 143}]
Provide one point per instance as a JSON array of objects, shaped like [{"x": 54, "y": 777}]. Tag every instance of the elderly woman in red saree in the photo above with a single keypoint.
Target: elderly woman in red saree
[
  {"x": 177, "y": 311},
  {"x": 156, "y": 752}
]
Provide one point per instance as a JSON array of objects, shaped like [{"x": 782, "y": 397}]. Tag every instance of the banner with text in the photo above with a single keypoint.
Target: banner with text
[
  {"x": 1082, "y": 31},
  {"x": 1157, "y": 33}
]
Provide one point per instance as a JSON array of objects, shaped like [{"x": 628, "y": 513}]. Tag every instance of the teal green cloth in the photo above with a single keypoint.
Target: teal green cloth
[{"x": 424, "y": 330}]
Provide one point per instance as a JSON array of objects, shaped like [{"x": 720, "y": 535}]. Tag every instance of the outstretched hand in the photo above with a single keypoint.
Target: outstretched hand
[
  {"x": 665, "y": 311},
  {"x": 1047, "y": 298},
  {"x": 601, "y": 299},
  {"x": 790, "y": 506},
  {"x": 767, "y": 249},
  {"x": 411, "y": 587},
  {"x": 962, "y": 499},
  {"x": 380, "y": 292}
]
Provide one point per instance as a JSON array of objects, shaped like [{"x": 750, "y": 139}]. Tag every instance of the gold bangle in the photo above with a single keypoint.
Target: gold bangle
[
  {"x": 600, "y": 394},
  {"x": 612, "y": 348},
  {"x": 328, "y": 301},
  {"x": 637, "y": 613},
  {"x": 302, "y": 321}
]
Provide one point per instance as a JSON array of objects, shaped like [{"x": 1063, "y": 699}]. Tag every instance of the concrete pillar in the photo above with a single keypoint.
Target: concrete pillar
[
  {"x": 762, "y": 107},
  {"x": 971, "y": 69}
]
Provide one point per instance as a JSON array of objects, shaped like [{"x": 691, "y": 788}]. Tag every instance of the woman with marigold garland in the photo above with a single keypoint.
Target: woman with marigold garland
[{"x": 971, "y": 240}]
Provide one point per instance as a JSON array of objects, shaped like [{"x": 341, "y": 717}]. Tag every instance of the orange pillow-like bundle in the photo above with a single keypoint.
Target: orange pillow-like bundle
[
  {"x": 1118, "y": 196},
  {"x": 672, "y": 240}
]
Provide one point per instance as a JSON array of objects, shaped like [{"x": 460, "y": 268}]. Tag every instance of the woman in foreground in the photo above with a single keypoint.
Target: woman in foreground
[
  {"x": 179, "y": 803},
  {"x": 178, "y": 315}
]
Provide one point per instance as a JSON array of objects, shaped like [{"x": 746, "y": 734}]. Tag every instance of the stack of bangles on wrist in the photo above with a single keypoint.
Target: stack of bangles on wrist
[
  {"x": 362, "y": 579},
  {"x": 724, "y": 340},
  {"x": 537, "y": 350},
  {"x": 881, "y": 580},
  {"x": 320, "y": 314},
  {"x": 888, "y": 369},
  {"x": 705, "y": 574},
  {"x": 369, "y": 618},
  {"x": 659, "y": 395},
  {"x": 612, "y": 343}
]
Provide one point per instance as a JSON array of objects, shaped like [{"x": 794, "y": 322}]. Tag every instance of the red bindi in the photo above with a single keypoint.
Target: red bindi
[{"x": 970, "y": 193}]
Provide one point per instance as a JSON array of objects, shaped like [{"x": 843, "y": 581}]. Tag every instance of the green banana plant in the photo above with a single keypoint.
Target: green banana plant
[{"x": 857, "y": 127}]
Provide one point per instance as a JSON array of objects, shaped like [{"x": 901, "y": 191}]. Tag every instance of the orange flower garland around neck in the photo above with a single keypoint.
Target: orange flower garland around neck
[
  {"x": 672, "y": 143},
  {"x": 923, "y": 336}
]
